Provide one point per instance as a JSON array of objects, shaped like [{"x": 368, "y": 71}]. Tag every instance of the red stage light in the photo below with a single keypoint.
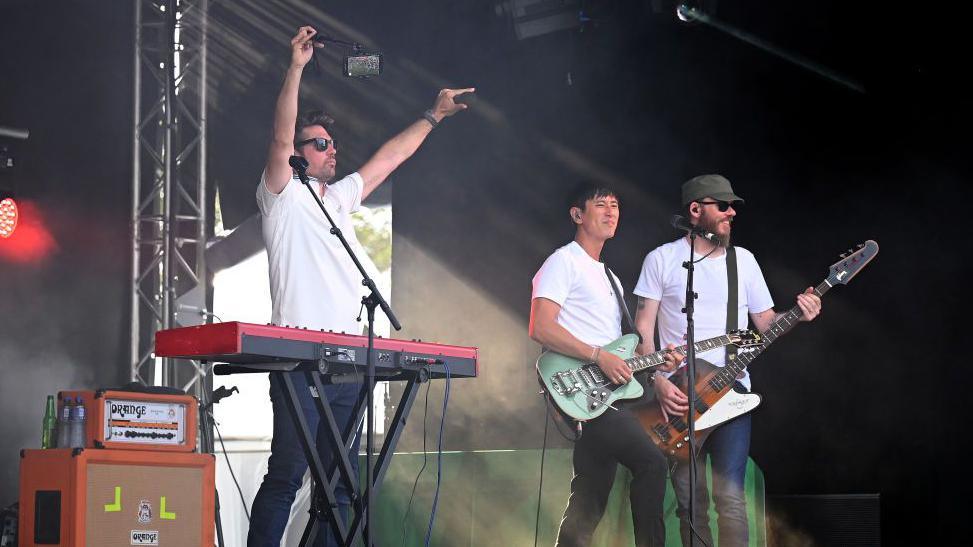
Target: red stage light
[
  {"x": 8, "y": 217},
  {"x": 32, "y": 242}
]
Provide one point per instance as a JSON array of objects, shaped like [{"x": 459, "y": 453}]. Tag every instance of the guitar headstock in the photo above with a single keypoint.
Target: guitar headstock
[
  {"x": 745, "y": 338},
  {"x": 852, "y": 262}
]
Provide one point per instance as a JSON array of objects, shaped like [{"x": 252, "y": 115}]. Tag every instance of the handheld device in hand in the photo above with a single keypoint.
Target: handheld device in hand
[{"x": 363, "y": 65}]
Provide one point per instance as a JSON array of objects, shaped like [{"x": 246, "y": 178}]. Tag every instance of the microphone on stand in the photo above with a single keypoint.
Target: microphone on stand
[
  {"x": 681, "y": 223},
  {"x": 299, "y": 164}
]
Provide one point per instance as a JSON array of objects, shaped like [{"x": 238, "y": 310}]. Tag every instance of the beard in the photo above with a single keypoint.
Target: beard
[
  {"x": 325, "y": 174},
  {"x": 712, "y": 225}
]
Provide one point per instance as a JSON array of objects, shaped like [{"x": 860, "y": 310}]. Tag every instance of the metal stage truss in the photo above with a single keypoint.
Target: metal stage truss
[{"x": 170, "y": 217}]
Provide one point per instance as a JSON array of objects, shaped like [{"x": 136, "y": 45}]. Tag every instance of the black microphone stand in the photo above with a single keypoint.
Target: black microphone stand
[
  {"x": 373, "y": 300},
  {"x": 208, "y": 445},
  {"x": 691, "y": 381}
]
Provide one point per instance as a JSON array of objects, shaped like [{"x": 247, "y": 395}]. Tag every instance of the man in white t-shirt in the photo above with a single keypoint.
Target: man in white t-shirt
[
  {"x": 313, "y": 282},
  {"x": 710, "y": 204},
  {"x": 574, "y": 311}
]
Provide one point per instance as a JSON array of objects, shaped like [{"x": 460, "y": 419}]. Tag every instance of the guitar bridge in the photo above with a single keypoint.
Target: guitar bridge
[{"x": 565, "y": 382}]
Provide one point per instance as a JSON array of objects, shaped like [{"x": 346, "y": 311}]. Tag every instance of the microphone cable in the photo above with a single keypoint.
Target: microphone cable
[
  {"x": 408, "y": 507},
  {"x": 540, "y": 486},
  {"x": 439, "y": 459}
]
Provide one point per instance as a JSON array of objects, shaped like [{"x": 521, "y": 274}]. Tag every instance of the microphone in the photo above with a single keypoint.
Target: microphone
[
  {"x": 681, "y": 223},
  {"x": 299, "y": 164}
]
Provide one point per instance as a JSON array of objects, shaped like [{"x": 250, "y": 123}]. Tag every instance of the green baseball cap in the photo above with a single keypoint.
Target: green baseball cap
[{"x": 712, "y": 186}]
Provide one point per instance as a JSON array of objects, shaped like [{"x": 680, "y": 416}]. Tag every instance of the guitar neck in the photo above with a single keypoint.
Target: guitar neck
[
  {"x": 655, "y": 359},
  {"x": 787, "y": 321}
]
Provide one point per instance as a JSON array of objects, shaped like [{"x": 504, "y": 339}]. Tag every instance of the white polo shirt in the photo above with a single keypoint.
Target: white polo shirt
[
  {"x": 577, "y": 282},
  {"x": 313, "y": 281}
]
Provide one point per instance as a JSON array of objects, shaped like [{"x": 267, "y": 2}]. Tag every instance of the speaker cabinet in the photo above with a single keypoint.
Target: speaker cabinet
[{"x": 115, "y": 498}]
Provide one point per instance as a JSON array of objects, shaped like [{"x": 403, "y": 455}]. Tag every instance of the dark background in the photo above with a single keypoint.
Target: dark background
[{"x": 862, "y": 400}]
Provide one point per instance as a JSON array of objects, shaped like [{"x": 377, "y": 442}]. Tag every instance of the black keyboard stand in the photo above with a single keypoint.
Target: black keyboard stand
[{"x": 324, "y": 505}]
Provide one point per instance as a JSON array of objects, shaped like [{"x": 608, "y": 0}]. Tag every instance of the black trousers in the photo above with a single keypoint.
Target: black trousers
[{"x": 612, "y": 438}]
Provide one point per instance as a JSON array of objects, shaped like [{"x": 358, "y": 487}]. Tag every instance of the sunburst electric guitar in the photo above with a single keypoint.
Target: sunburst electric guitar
[
  {"x": 716, "y": 402},
  {"x": 581, "y": 390}
]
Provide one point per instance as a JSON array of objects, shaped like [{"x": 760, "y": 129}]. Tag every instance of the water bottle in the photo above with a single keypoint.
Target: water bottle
[
  {"x": 64, "y": 424},
  {"x": 48, "y": 436},
  {"x": 78, "y": 424}
]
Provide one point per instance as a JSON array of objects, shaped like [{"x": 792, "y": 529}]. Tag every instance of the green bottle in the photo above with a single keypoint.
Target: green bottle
[{"x": 48, "y": 436}]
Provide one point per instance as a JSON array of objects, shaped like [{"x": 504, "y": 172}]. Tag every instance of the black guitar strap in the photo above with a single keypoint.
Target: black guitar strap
[
  {"x": 732, "y": 287},
  {"x": 621, "y": 304}
]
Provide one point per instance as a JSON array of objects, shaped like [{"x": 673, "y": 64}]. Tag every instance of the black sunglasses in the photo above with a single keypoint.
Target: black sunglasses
[
  {"x": 320, "y": 143},
  {"x": 722, "y": 205}
]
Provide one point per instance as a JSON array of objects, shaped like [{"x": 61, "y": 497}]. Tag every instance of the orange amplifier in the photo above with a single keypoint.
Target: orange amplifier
[
  {"x": 133, "y": 420},
  {"x": 114, "y": 498}
]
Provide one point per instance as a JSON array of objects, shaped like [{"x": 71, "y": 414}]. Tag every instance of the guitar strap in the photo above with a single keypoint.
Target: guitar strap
[
  {"x": 732, "y": 287},
  {"x": 621, "y": 304}
]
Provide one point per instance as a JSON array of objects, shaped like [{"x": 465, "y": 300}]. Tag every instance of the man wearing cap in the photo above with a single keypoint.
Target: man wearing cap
[{"x": 711, "y": 204}]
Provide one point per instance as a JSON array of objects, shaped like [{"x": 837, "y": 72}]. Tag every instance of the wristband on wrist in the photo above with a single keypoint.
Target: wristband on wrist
[
  {"x": 428, "y": 116},
  {"x": 595, "y": 352}
]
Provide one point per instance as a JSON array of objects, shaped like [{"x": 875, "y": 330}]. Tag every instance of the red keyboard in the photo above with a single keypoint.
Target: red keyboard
[{"x": 267, "y": 348}]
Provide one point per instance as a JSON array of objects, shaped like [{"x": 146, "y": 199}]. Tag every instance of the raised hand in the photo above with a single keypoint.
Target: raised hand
[
  {"x": 302, "y": 47},
  {"x": 445, "y": 104}
]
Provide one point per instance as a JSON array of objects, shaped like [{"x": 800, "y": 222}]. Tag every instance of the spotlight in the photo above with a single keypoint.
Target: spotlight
[
  {"x": 695, "y": 11},
  {"x": 8, "y": 207},
  {"x": 8, "y": 217},
  {"x": 685, "y": 12}
]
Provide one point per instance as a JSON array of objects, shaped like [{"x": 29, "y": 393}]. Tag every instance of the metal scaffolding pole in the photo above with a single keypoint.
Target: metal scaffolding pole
[{"x": 170, "y": 207}]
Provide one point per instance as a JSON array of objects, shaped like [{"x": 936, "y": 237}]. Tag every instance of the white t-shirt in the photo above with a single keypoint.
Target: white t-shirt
[
  {"x": 313, "y": 281},
  {"x": 664, "y": 279},
  {"x": 577, "y": 282}
]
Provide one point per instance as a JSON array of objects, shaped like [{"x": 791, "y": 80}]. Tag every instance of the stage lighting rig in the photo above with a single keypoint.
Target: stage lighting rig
[{"x": 9, "y": 213}]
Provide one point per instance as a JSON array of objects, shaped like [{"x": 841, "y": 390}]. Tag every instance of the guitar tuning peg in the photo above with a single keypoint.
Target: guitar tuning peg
[
  {"x": 843, "y": 255},
  {"x": 860, "y": 246}
]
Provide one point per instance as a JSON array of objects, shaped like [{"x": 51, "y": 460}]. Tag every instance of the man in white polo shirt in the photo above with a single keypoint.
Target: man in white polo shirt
[{"x": 313, "y": 282}]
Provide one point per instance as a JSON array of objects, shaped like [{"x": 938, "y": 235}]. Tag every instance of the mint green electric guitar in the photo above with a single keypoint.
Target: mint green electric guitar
[{"x": 581, "y": 390}]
